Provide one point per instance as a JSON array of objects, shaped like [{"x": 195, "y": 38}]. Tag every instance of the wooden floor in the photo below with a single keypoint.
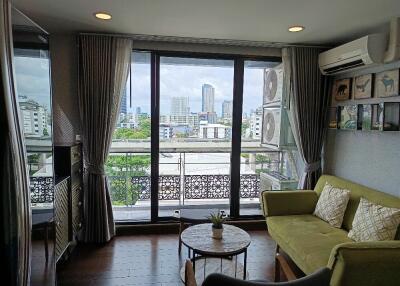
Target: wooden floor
[{"x": 150, "y": 260}]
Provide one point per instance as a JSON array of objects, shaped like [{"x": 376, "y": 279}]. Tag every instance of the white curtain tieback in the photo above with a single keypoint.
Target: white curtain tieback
[{"x": 97, "y": 169}]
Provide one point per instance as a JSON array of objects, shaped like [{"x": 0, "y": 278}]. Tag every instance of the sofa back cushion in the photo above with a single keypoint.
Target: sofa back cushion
[{"x": 356, "y": 192}]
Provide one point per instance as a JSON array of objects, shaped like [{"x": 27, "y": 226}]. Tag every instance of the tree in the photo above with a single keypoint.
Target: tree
[{"x": 121, "y": 169}]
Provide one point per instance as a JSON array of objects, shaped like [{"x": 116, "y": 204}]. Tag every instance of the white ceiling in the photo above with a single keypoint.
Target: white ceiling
[{"x": 326, "y": 21}]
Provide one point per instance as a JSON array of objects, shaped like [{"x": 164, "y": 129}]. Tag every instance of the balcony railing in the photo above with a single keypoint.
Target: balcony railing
[
  {"x": 42, "y": 190},
  {"x": 174, "y": 187}
]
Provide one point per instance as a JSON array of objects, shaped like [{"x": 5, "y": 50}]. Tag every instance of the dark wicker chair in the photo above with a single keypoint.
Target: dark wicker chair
[{"x": 321, "y": 277}]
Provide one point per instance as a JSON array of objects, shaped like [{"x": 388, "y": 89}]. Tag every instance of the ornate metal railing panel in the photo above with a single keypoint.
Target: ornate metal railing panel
[
  {"x": 193, "y": 186},
  {"x": 42, "y": 189},
  {"x": 207, "y": 186},
  {"x": 142, "y": 185},
  {"x": 169, "y": 187},
  {"x": 249, "y": 186}
]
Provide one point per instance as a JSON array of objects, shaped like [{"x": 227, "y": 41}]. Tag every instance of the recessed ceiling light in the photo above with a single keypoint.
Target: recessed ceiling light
[
  {"x": 102, "y": 16},
  {"x": 296, "y": 29}
]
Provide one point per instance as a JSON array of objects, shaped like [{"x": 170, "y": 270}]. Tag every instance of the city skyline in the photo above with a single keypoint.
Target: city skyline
[{"x": 187, "y": 81}]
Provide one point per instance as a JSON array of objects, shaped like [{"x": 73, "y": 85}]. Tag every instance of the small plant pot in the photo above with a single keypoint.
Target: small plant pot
[{"x": 217, "y": 232}]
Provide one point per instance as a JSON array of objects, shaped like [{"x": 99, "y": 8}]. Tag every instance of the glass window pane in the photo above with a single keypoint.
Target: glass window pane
[
  {"x": 195, "y": 133},
  {"x": 128, "y": 164},
  {"x": 263, "y": 165}
]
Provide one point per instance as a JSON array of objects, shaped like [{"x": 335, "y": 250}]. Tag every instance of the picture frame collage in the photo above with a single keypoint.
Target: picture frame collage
[{"x": 379, "y": 116}]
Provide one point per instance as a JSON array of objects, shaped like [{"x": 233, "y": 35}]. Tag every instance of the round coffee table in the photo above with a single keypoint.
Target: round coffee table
[{"x": 216, "y": 255}]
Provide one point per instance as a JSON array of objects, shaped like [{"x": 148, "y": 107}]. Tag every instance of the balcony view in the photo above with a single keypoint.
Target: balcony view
[{"x": 195, "y": 131}]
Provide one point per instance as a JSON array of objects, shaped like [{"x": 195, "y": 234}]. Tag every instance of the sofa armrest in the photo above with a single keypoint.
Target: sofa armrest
[
  {"x": 365, "y": 263},
  {"x": 276, "y": 203}
]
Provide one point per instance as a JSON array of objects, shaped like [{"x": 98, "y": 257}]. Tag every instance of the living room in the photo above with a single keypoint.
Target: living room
[{"x": 200, "y": 142}]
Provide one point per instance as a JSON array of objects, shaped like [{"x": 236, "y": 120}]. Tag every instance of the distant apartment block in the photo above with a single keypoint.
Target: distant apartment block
[
  {"x": 256, "y": 123},
  {"x": 165, "y": 131},
  {"x": 227, "y": 107},
  {"x": 210, "y": 117},
  {"x": 214, "y": 131},
  {"x": 123, "y": 106},
  {"x": 207, "y": 98},
  {"x": 34, "y": 118},
  {"x": 179, "y": 106}
]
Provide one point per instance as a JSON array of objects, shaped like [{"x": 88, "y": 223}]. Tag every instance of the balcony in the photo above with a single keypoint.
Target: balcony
[{"x": 186, "y": 180}]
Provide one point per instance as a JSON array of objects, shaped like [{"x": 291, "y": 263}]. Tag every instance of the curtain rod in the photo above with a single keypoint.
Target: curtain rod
[{"x": 208, "y": 41}]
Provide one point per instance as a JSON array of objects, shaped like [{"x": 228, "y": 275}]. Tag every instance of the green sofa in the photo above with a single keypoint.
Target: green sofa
[{"x": 312, "y": 243}]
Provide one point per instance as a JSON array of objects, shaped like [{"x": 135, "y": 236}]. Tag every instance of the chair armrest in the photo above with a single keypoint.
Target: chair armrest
[
  {"x": 365, "y": 263},
  {"x": 276, "y": 203}
]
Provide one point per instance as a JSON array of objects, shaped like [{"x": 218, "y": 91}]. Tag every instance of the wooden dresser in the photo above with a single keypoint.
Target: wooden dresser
[
  {"x": 68, "y": 163},
  {"x": 61, "y": 216}
]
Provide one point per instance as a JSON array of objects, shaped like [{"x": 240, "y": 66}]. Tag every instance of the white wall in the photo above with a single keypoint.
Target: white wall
[{"x": 370, "y": 158}]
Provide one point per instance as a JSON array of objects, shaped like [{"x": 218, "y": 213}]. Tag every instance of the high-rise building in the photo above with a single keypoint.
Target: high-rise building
[
  {"x": 227, "y": 106},
  {"x": 179, "y": 110},
  {"x": 179, "y": 106},
  {"x": 123, "y": 107},
  {"x": 207, "y": 98},
  {"x": 138, "y": 110}
]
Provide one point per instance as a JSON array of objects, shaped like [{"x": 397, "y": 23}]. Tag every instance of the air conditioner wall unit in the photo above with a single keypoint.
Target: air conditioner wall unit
[
  {"x": 363, "y": 52},
  {"x": 276, "y": 131}
]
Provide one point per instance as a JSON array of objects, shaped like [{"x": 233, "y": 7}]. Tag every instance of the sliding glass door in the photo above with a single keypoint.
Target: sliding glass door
[
  {"x": 194, "y": 133},
  {"x": 189, "y": 136}
]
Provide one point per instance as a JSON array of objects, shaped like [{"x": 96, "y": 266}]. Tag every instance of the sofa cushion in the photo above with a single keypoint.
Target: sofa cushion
[
  {"x": 307, "y": 239},
  {"x": 374, "y": 222},
  {"x": 356, "y": 192},
  {"x": 332, "y": 204}
]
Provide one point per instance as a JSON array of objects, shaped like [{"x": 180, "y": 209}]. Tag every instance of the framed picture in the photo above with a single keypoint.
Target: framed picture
[
  {"x": 363, "y": 86},
  {"x": 333, "y": 118},
  {"x": 391, "y": 116},
  {"x": 387, "y": 83},
  {"x": 377, "y": 117},
  {"x": 364, "y": 118},
  {"x": 348, "y": 117},
  {"x": 342, "y": 89}
]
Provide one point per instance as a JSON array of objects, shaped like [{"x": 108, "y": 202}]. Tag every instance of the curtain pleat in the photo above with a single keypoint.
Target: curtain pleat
[
  {"x": 308, "y": 95},
  {"x": 15, "y": 234},
  {"x": 103, "y": 70}
]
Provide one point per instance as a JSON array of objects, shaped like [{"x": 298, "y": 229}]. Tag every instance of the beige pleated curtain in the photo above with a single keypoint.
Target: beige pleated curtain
[
  {"x": 15, "y": 226},
  {"x": 103, "y": 70}
]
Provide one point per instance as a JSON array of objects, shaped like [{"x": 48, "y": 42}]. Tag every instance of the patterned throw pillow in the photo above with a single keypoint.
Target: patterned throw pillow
[
  {"x": 374, "y": 222},
  {"x": 332, "y": 204}
]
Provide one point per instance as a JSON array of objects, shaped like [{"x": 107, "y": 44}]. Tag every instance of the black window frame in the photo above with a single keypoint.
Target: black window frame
[{"x": 237, "y": 111}]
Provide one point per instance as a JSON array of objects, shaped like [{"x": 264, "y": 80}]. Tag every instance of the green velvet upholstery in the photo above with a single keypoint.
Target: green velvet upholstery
[
  {"x": 366, "y": 263},
  {"x": 287, "y": 202},
  {"x": 313, "y": 243},
  {"x": 306, "y": 238}
]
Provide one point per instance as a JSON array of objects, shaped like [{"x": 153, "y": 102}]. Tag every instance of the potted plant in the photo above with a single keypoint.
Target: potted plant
[{"x": 217, "y": 221}]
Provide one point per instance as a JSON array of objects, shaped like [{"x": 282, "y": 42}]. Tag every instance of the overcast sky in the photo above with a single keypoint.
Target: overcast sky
[
  {"x": 187, "y": 80},
  {"x": 175, "y": 80},
  {"x": 32, "y": 79}
]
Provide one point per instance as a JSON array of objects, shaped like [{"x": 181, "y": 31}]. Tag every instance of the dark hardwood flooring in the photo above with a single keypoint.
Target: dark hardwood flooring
[{"x": 150, "y": 260}]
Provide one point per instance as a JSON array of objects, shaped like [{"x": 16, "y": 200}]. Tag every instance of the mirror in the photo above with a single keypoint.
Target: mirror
[{"x": 32, "y": 73}]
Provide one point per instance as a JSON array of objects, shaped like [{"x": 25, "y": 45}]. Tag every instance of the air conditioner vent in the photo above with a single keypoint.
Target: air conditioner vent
[{"x": 346, "y": 66}]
